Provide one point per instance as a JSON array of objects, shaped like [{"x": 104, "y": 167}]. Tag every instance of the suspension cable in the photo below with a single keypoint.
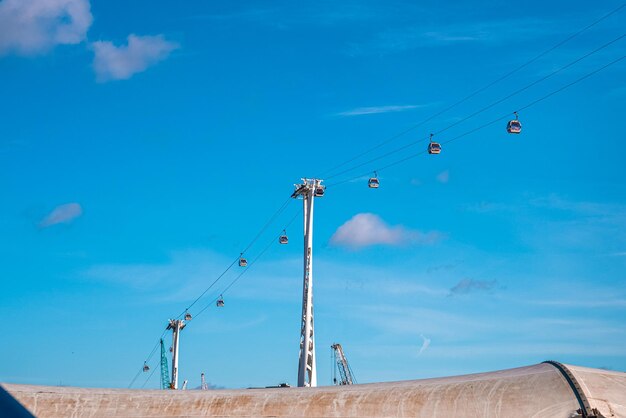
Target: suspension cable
[
  {"x": 236, "y": 279},
  {"x": 256, "y": 237},
  {"x": 489, "y": 106},
  {"x": 476, "y": 92},
  {"x": 286, "y": 203},
  {"x": 149, "y": 377},
  {"x": 499, "y": 119}
]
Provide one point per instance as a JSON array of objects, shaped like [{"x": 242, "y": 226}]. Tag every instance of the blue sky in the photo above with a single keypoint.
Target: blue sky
[{"x": 144, "y": 145}]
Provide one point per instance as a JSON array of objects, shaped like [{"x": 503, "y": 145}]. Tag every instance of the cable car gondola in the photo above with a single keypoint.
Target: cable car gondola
[
  {"x": 187, "y": 316},
  {"x": 220, "y": 302},
  {"x": 319, "y": 191},
  {"x": 145, "y": 367},
  {"x": 433, "y": 147},
  {"x": 514, "y": 126},
  {"x": 373, "y": 182},
  {"x": 242, "y": 261},
  {"x": 283, "y": 239}
]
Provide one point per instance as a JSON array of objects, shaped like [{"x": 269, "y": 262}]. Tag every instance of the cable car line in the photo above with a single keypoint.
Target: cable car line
[
  {"x": 227, "y": 288},
  {"x": 566, "y": 66},
  {"x": 214, "y": 300},
  {"x": 239, "y": 258},
  {"x": 499, "y": 119},
  {"x": 132, "y": 382},
  {"x": 258, "y": 235},
  {"x": 202, "y": 310},
  {"x": 491, "y": 105},
  {"x": 286, "y": 203},
  {"x": 542, "y": 98},
  {"x": 154, "y": 369},
  {"x": 135, "y": 378},
  {"x": 476, "y": 92},
  {"x": 267, "y": 224},
  {"x": 262, "y": 252}
]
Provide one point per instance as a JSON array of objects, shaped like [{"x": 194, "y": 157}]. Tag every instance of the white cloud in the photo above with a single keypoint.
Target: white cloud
[
  {"x": 378, "y": 109},
  {"x": 443, "y": 177},
  {"x": 425, "y": 344},
  {"x": 122, "y": 62},
  {"x": 62, "y": 214},
  {"x": 366, "y": 229},
  {"x": 30, "y": 27}
]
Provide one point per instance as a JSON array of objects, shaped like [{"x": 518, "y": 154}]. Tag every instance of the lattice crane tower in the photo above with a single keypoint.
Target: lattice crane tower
[{"x": 307, "y": 373}]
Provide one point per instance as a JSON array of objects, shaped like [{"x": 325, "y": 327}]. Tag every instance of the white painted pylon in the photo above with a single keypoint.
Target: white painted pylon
[{"x": 307, "y": 373}]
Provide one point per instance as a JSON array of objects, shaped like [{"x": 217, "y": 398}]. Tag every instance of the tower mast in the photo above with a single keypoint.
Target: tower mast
[
  {"x": 176, "y": 325},
  {"x": 307, "y": 373}
]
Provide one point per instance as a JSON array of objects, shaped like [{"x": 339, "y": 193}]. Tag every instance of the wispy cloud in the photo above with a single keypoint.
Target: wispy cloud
[
  {"x": 31, "y": 27},
  {"x": 443, "y": 177},
  {"x": 402, "y": 319},
  {"x": 557, "y": 202},
  {"x": 367, "y": 229},
  {"x": 197, "y": 267},
  {"x": 421, "y": 36},
  {"x": 575, "y": 225},
  {"x": 122, "y": 62},
  {"x": 556, "y": 223},
  {"x": 443, "y": 267},
  {"x": 486, "y": 207},
  {"x": 62, "y": 214},
  {"x": 470, "y": 285},
  {"x": 359, "y": 111},
  {"x": 425, "y": 345},
  {"x": 325, "y": 13},
  {"x": 607, "y": 303}
]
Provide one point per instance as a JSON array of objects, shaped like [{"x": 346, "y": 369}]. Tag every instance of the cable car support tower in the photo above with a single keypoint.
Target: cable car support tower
[
  {"x": 307, "y": 373},
  {"x": 176, "y": 325}
]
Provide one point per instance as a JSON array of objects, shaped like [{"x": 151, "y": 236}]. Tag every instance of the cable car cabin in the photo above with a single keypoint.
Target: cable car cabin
[
  {"x": 187, "y": 316},
  {"x": 514, "y": 127},
  {"x": 373, "y": 183},
  {"x": 434, "y": 148},
  {"x": 220, "y": 302},
  {"x": 283, "y": 239},
  {"x": 146, "y": 367},
  {"x": 319, "y": 191},
  {"x": 243, "y": 262}
]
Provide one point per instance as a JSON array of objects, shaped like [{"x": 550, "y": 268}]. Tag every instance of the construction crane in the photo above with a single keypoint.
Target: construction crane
[
  {"x": 165, "y": 375},
  {"x": 346, "y": 377}
]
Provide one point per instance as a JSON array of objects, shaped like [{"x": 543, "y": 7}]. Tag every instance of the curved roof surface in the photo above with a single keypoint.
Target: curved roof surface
[{"x": 543, "y": 390}]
